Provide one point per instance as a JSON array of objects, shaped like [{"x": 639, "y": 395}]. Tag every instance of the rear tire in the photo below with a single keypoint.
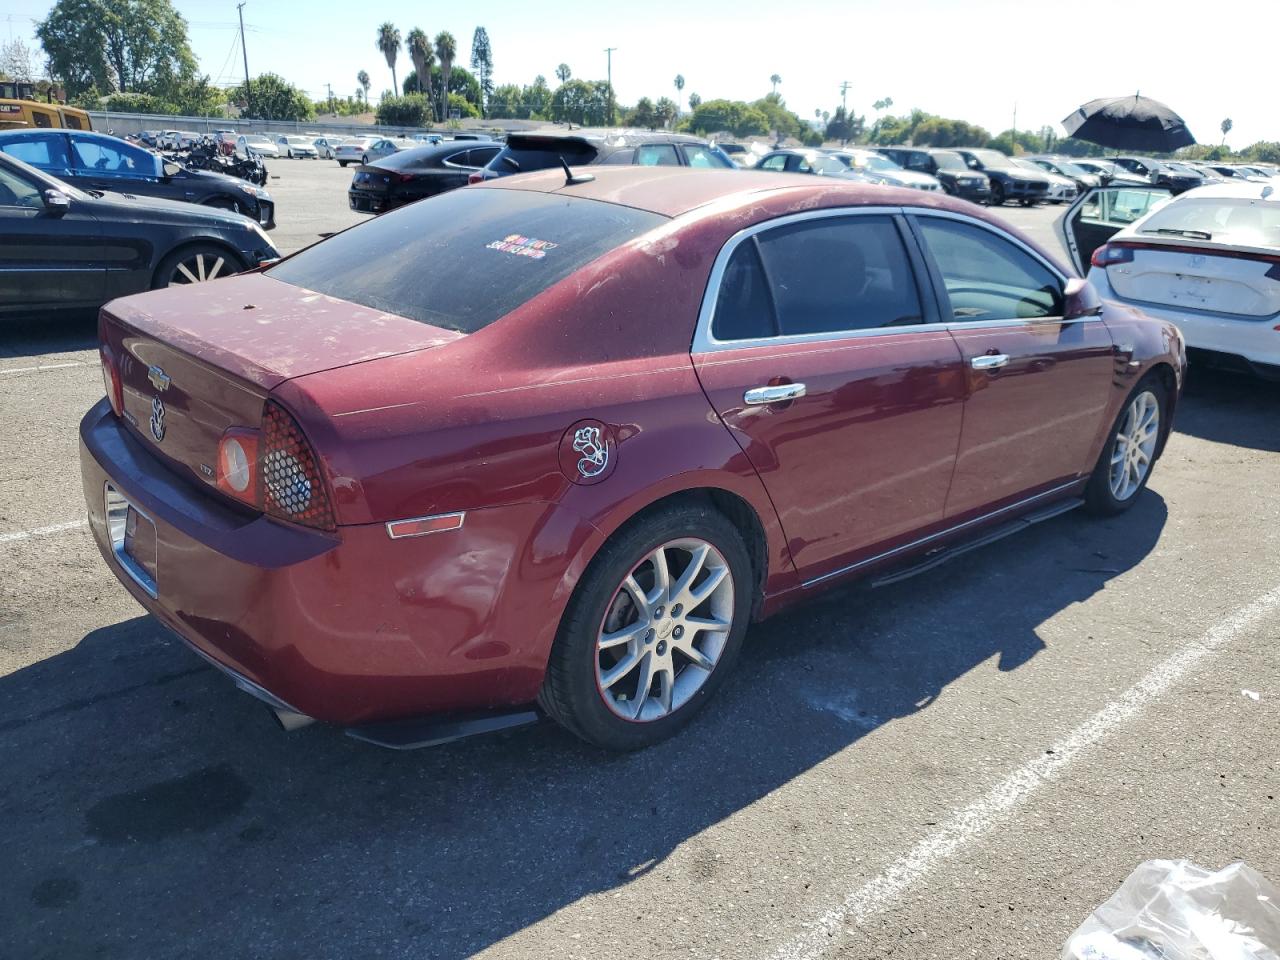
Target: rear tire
[
  {"x": 198, "y": 263},
  {"x": 629, "y": 669},
  {"x": 343, "y": 163},
  {"x": 997, "y": 194},
  {"x": 1128, "y": 456}
]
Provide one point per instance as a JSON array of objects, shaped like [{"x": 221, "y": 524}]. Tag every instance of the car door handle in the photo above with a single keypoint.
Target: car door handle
[
  {"x": 783, "y": 391},
  {"x": 990, "y": 361}
]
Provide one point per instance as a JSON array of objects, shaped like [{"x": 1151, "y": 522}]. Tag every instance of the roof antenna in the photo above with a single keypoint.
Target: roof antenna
[{"x": 570, "y": 178}]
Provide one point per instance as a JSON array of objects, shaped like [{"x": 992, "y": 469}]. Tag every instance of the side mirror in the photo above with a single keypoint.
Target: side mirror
[
  {"x": 56, "y": 202},
  {"x": 1081, "y": 300},
  {"x": 171, "y": 169}
]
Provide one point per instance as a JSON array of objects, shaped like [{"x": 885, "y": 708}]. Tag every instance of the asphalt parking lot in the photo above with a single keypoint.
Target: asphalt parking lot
[{"x": 959, "y": 765}]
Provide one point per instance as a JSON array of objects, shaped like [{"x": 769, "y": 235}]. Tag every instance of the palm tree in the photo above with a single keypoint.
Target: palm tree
[
  {"x": 695, "y": 101},
  {"x": 419, "y": 46},
  {"x": 679, "y": 90},
  {"x": 775, "y": 80},
  {"x": 362, "y": 78},
  {"x": 563, "y": 73},
  {"x": 389, "y": 43},
  {"x": 446, "y": 50},
  {"x": 1226, "y": 128}
]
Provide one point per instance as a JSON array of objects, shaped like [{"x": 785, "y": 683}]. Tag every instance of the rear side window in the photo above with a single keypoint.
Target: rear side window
[
  {"x": 656, "y": 155},
  {"x": 820, "y": 276},
  {"x": 464, "y": 259},
  {"x": 706, "y": 157},
  {"x": 47, "y": 151},
  {"x": 526, "y": 156}
]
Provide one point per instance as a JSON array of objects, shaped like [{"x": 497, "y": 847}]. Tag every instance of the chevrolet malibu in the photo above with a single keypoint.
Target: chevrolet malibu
[{"x": 558, "y": 439}]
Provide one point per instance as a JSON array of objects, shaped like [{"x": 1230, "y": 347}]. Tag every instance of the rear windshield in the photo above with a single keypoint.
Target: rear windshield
[
  {"x": 1245, "y": 223},
  {"x": 525, "y": 155},
  {"x": 465, "y": 258}
]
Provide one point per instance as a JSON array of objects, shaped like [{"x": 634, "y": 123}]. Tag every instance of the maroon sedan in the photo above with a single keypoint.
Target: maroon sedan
[{"x": 557, "y": 441}]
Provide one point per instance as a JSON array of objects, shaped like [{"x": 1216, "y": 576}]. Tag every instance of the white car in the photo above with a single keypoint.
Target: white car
[
  {"x": 255, "y": 145},
  {"x": 294, "y": 145},
  {"x": 327, "y": 147},
  {"x": 1061, "y": 189},
  {"x": 1207, "y": 260}
]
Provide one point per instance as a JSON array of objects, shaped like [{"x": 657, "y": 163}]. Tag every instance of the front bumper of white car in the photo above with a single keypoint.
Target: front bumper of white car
[{"x": 1253, "y": 340}]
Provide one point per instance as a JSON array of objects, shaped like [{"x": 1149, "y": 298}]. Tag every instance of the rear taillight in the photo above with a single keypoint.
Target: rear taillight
[
  {"x": 293, "y": 488},
  {"x": 111, "y": 380},
  {"x": 476, "y": 177},
  {"x": 237, "y": 472},
  {"x": 404, "y": 177},
  {"x": 1110, "y": 254}
]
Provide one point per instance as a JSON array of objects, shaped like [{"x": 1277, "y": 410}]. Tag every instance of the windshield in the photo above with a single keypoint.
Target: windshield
[
  {"x": 463, "y": 259},
  {"x": 300, "y": 140},
  {"x": 825, "y": 165},
  {"x": 256, "y": 138},
  {"x": 1245, "y": 223},
  {"x": 992, "y": 159},
  {"x": 870, "y": 161},
  {"x": 526, "y": 154}
]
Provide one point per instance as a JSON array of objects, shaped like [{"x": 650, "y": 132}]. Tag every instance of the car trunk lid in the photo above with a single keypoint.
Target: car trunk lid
[
  {"x": 194, "y": 363},
  {"x": 1198, "y": 277}
]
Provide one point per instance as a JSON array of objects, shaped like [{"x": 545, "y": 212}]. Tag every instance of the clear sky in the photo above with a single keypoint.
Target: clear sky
[{"x": 974, "y": 60}]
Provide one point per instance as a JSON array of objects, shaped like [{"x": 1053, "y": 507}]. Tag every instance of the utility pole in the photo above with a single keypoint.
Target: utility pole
[
  {"x": 844, "y": 108},
  {"x": 1015, "y": 120},
  {"x": 244, "y": 50},
  {"x": 608, "y": 51},
  {"x": 329, "y": 87}
]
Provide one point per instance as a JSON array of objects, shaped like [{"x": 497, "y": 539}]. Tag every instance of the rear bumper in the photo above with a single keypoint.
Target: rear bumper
[
  {"x": 349, "y": 628},
  {"x": 363, "y": 202},
  {"x": 1255, "y": 341}
]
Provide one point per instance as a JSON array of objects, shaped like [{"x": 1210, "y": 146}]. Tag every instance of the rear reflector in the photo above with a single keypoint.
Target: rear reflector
[
  {"x": 1111, "y": 253},
  {"x": 421, "y": 526},
  {"x": 111, "y": 380}
]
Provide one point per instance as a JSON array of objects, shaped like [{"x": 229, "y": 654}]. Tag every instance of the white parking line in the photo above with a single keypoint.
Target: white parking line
[
  {"x": 42, "y": 531},
  {"x": 43, "y": 367},
  {"x": 877, "y": 895}
]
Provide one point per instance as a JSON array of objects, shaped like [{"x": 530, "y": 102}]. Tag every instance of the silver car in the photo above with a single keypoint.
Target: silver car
[
  {"x": 255, "y": 145},
  {"x": 364, "y": 149},
  {"x": 327, "y": 147}
]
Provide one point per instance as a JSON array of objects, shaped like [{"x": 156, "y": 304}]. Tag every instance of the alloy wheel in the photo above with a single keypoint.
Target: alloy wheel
[
  {"x": 199, "y": 268},
  {"x": 1135, "y": 445},
  {"x": 664, "y": 630}
]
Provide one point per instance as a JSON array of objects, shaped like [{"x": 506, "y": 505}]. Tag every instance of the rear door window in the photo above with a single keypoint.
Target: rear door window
[
  {"x": 45, "y": 151},
  {"x": 91, "y": 157},
  {"x": 704, "y": 157},
  {"x": 776, "y": 162},
  {"x": 832, "y": 275},
  {"x": 656, "y": 155},
  {"x": 464, "y": 259}
]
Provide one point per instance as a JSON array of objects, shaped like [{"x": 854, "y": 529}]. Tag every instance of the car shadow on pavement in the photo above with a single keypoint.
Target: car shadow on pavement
[
  {"x": 53, "y": 333},
  {"x": 152, "y": 810},
  {"x": 1230, "y": 407}
]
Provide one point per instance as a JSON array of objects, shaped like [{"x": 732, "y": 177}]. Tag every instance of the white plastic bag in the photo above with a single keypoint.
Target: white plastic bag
[{"x": 1175, "y": 910}]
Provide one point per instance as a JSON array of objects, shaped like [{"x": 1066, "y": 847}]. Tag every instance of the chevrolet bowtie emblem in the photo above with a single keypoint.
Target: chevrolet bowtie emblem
[{"x": 159, "y": 379}]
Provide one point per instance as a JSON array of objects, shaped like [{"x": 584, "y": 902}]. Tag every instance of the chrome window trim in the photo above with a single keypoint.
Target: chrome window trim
[
  {"x": 705, "y": 342},
  {"x": 941, "y": 533}
]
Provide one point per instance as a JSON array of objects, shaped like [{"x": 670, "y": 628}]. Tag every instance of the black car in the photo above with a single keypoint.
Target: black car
[
  {"x": 417, "y": 173},
  {"x": 526, "y": 152},
  {"x": 947, "y": 165},
  {"x": 97, "y": 161},
  {"x": 1154, "y": 171},
  {"x": 1063, "y": 167},
  {"x": 64, "y": 248},
  {"x": 1008, "y": 181}
]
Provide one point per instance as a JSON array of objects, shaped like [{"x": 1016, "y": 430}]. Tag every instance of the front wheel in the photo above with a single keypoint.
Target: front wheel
[
  {"x": 1125, "y": 465},
  {"x": 652, "y": 629},
  {"x": 343, "y": 163},
  {"x": 365, "y": 159},
  {"x": 997, "y": 194},
  {"x": 197, "y": 264}
]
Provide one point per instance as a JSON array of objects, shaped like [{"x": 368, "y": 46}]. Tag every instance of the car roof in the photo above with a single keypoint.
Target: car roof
[
  {"x": 606, "y": 138},
  {"x": 1233, "y": 190},
  {"x": 673, "y": 191}
]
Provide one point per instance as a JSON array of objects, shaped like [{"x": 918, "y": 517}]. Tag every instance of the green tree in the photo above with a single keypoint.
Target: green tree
[
  {"x": 666, "y": 111},
  {"x": 1225, "y": 127},
  {"x": 679, "y": 84},
  {"x": 644, "y": 114},
  {"x": 694, "y": 101},
  {"x": 362, "y": 78},
  {"x": 775, "y": 80},
  {"x": 563, "y": 73},
  {"x": 482, "y": 65},
  {"x": 134, "y": 46},
  {"x": 506, "y": 102},
  {"x": 465, "y": 108},
  {"x": 388, "y": 44},
  {"x": 582, "y": 102},
  {"x": 446, "y": 53},
  {"x": 419, "y": 46},
  {"x": 537, "y": 99},
  {"x": 732, "y": 116},
  {"x": 411, "y": 110},
  {"x": 137, "y": 103},
  {"x": 271, "y": 97},
  {"x": 18, "y": 61}
]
